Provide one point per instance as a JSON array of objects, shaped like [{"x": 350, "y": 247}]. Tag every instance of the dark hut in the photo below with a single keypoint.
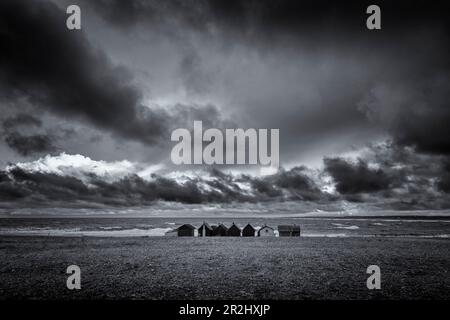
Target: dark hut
[
  {"x": 289, "y": 230},
  {"x": 186, "y": 230},
  {"x": 234, "y": 231},
  {"x": 220, "y": 231},
  {"x": 248, "y": 231},
  {"x": 296, "y": 231},
  {"x": 205, "y": 230}
]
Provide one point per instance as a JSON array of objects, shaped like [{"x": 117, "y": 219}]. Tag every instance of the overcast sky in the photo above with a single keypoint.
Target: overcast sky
[{"x": 115, "y": 90}]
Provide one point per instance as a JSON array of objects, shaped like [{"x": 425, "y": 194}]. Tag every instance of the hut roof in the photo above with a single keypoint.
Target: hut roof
[
  {"x": 288, "y": 227},
  {"x": 207, "y": 226},
  {"x": 221, "y": 225},
  {"x": 265, "y": 227},
  {"x": 186, "y": 226},
  {"x": 248, "y": 226},
  {"x": 234, "y": 226}
]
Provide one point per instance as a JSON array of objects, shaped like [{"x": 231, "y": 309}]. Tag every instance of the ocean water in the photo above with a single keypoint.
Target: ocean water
[{"x": 424, "y": 226}]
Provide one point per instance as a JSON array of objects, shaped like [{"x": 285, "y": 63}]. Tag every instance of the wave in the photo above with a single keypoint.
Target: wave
[
  {"x": 345, "y": 235},
  {"x": 343, "y": 226},
  {"x": 154, "y": 232}
]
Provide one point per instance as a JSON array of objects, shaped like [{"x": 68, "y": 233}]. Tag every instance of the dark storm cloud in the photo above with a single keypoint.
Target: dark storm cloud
[
  {"x": 21, "y": 119},
  {"x": 306, "y": 67},
  {"x": 416, "y": 112},
  {"x": 54, "y": 68},
  {"x": 395, "y": 176},
  {"x": 310, "y": 68},
  {"x": 295, "y": 181},
  {"x": 255, "y": 18},
  {"x": 357, "y": 177},
  {"x": 340, "y": 64},
  {"x": 29, "y": 143},
  {"x": 444, "y": 179},
  {"x": 43, "y": 188},
  {"x": 389, "y": 177}
]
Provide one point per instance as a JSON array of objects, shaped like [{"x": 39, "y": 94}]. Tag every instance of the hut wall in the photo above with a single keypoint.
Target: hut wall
[
  {"x": 207, "y": 232},
  {"x": 248, "y": 231},
  {"x": 234, "y": 232},
  {"x": 220, "y": 232},
  {"x": 266, "y": 232},
  {"x": 185, "y": 233}
]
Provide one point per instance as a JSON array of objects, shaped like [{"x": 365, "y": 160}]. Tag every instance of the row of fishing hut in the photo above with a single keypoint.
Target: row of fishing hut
[{"x": 221, "y": 230}]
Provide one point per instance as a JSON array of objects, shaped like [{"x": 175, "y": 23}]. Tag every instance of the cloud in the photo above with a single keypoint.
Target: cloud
[
  {"x": 386, "y": 179},
  {"x": 78, "y": 166},
  {"x": 294, "y": 182},
  {"x": 444, "y": 180},
  {"x": 29, "y": 143},
  {"x": 75, "y": 179},
  {"x": 58, "y": 69},
  {"x": 356, "y": 177},
  {"x": 21, "y": 119},
  {"x": 52, "y": 68},
  {"x": 253, "y": 18},
  {"x": 394, "y": 176},
  {"x": 286, "y": 64},
  {"x": 416, "y": 111}
]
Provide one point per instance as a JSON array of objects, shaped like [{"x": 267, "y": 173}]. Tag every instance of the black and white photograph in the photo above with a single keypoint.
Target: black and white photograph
[{"x": 241, "y": 150}]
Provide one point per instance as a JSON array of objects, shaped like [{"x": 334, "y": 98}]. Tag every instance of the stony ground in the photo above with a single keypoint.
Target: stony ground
[{"x": 224, "y": 268}]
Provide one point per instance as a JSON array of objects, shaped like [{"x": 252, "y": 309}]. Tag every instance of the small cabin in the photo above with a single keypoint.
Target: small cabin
[
  {"x": 266, "y": 231},
  {"x": 220, "y": 231},
  {"x": 248, "y": 231},
  {"x": 205, "y": 230},
  {"x": 296, "y": 231},
  {"x": 289, "y": 230},
  {"x": 234, "y": 231},
  {"x": 186, "y": 230}
]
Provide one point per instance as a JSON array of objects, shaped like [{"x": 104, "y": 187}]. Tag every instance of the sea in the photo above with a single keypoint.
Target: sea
[{"x": 161, "y": 220}]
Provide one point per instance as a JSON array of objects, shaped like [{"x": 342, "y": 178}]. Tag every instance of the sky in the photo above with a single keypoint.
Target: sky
[{"x": 86, "y": 115}]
